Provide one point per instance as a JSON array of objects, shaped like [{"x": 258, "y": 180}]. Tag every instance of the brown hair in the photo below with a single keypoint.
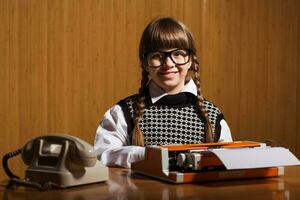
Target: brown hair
[{"x": 166, "y": 33}]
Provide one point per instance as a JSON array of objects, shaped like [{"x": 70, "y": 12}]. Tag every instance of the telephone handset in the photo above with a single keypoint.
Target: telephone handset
[
  {"x": 50, "y": 146},
  {"x": 58, "y": 160}
]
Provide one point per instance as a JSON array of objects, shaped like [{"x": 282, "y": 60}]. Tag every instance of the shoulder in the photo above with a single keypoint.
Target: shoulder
[
  {"x": 214, "y": 113},
  {"x": 127, "y": 104},
  {"x": 127, "y": 100},
  {"x": 211, "y": 107},
  {"x": 215, "y": 117},
  {"x": 128, "y": 107},
  {"x": 130, "y": 101}
]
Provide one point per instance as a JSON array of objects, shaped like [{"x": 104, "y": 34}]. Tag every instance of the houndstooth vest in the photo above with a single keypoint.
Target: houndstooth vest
[{"x": 174, "y": 119}]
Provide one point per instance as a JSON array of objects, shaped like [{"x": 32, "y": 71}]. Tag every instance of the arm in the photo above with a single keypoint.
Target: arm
[
  {"x": 225, "y": 135},
  {"x": 112, "y": 140}
]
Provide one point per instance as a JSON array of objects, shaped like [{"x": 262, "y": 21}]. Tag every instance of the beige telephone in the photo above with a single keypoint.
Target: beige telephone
[{"x": 57, "y": 160}]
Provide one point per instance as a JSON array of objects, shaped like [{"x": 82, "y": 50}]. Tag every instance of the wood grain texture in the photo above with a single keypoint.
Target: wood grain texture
[
  {"x": 123, "y": 185},
  {"x": 63, "y": 63}
]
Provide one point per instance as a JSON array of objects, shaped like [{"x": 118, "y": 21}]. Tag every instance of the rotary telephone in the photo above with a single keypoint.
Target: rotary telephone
[{"x": 57, "y": 161}]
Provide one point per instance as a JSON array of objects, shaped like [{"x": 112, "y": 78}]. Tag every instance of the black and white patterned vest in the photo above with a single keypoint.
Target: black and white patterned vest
[{"x": 173, "y": 119}]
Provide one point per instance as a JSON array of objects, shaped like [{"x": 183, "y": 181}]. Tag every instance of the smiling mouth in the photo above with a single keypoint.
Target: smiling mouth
[{"x": 167, "y": 73}]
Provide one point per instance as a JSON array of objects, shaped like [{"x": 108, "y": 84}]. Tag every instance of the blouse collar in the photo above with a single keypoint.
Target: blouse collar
[{"x": 157, "y": 93}]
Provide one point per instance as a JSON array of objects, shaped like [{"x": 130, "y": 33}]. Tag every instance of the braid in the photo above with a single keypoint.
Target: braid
[
  {"x": 138, "y": 137},
  {"x": 200, "y": 101}
]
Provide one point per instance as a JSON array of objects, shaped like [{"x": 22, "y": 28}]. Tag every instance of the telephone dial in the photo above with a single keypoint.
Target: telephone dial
[{"x": 57, "y": 161}]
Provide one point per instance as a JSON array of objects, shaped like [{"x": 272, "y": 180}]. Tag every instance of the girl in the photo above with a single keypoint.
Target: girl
[{"x": 169, "y": 107}]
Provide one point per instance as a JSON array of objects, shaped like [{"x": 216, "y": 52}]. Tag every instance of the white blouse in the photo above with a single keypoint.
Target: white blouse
[{"x": 112, "y": 140}]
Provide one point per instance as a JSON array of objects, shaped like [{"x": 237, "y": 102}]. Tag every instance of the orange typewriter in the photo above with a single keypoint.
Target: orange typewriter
[{"x": 214, "y": 161}]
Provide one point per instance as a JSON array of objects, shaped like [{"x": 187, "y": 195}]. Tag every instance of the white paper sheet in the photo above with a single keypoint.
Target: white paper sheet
[{"x": 245, "y": 158}]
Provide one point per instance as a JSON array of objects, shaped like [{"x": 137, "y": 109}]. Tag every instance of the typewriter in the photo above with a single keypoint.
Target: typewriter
[{"x": 188, "y": 163}]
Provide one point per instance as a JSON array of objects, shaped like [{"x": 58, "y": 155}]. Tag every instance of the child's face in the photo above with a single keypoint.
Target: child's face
[{"x": 170, "y": 76}]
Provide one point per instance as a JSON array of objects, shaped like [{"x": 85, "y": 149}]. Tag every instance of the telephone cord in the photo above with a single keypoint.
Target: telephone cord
[
  {"x": 43, "y": 187},
  {"x": 5, "y": 159},
  {"x": 15, "y": 180}
]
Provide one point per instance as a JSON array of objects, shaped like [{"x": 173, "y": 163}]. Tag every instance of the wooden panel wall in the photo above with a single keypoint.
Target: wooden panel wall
[{"x": 63, "y": 63}]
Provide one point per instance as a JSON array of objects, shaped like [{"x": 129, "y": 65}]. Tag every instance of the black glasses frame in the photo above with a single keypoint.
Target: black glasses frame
[{"x": 168, "y": 54}]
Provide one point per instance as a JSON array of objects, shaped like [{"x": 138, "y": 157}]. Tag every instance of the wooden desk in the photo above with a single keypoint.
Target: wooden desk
[{"x": 123, "y": 184}]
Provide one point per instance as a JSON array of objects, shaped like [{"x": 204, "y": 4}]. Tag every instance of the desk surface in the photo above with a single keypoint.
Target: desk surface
[{"x": 123, "y": 184}]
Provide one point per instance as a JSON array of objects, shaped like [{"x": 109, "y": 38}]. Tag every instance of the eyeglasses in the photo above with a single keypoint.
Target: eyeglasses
[{"x": 178, "y": 56}]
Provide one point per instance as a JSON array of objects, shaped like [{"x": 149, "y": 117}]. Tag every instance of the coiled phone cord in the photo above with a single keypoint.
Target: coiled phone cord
[
  {"x": 5, "y": 158},
  {"x": 15, "y": 180}
]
